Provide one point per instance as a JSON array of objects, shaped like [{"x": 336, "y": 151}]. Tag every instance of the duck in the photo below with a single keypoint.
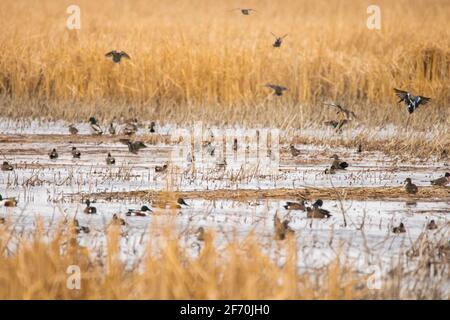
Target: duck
[
  {"x": 294, "y": 151},
  {"x": 110, "y": 159},
  {"x": 135, "y": 146},
  {"x": 235, "y": 144},
  {"x": 53, "y": 154},
  {"x": 442, "y": 181},
  {"x": 80, "y": 229},
  {"x": 338, "y": 125},
  {"x": 131, "y": 127},
  {"x": 6, "y": 166},
  {"x": 95, "y": 128},
  {"x": 117, "y": 56},
  {"x": 117, "y": 220},
  {"x": 277, "y": 89},
  {"x": 181, "y": 203},
  {"x": 278, "y": 40},
  {"x": 8, "y": 202},
  {"x": 410, "y": 187},
  {"x": 89, "y": 209},
  {"x": 200, "y": 234},
  {"x": 316, "y": 212},
  {"x": 161, "y": 169},
  {"x": 400, "y": 229},
  {"x": 412, "y": 102},
  {"x": 282, "y": 229},
  {"x": 330, "y": 170},
  {"x": 75, "y": 153},
  {"x": 337, "y": 164},
  {"x": 245, "y": 11},
  {"x": 143, "y": 212},
  {"x": 346, "y": 113},
  {"x": 295, "y": 205},
  {"x": 152, "y": 126},
  {"x": 112, "y": 129},
  {"x": 73, "y": 130},
  {"x": 432, "y": 225}
]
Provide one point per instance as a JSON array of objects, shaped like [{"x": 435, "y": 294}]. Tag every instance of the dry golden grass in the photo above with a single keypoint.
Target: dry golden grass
[{"x": 197, "y": 59}]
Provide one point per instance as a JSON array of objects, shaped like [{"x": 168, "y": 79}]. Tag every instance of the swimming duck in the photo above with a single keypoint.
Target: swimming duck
[
  {"x": 200, "y": 234},
  {"x": 245, "y": 11},
  {"x": 117, "y": 56},
  {"x": 294, "y": 151},
  {"x": 117, "y": 220},
  {"x": 6, "y": 166},
  {"x": 8, "y": 202},
  {"x": 400, "y": 229},
  {"x": 282, "y": 229},
  {"x": 53, "y": 154},
  {"x": 161, "y": 169},
  {"x": 135, "y": 146},
  {"x": 410, "y": 187},
  {"x": 143, "y": 212},
  {"x": 411, "y": 102},
  {"x": 442, "y": 181},
  {"x": 112, "y": 129},
  {"x": 95, "y": 128},
  {"x": 110, "y": 159},
  {"x": 152, "y": 126},
  {"x": 79, "y": 228},
  {"x": 180, "y": 203},
  {"x": 277, "y": 89},
  {"x": 432, "y": 225},
  {"x": 338, "y": 164},
  {"x": 73, "y": 130},
  {"x": 295, "y": 205},
  {"x": 89, "y": 209},
  {"x": 278, "y": 40},
  {"x": 316, "y": 212},
  {"x": 75, "y": 153}
]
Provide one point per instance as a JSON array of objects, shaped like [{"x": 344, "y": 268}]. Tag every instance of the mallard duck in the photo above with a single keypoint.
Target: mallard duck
[
  {"x": 117, "y": 56},
  {"x": 53, "y": 154},
  {"x": 442, "y": 181},
  {"x": 278, "y": 40},
  {"x": 316, "y": 212},
  {"x": 152, "y": 126},
  {"x": 112, "y": 129},
  {"x": 282, "y": 229},
  {"x": 161, "y": 169},
  {"x": 89, "y": 209},
  {"x": 294, "y": 151},
  {"x": 75, "y": 153},
  {"x": 95, "y": 128},
  {"x": 295, "y": 205},
  {"x": 73, "y": 130},
  {"x": 337, "y": 164},
  {"x": 411, "y": 102},
  {"x": 110, "y": 159},
  {"x": 200, "y": 234},
  {"x": 245, "y": 11},
  {"x": 347, "y": 113},
  {"x": 135, "y": 146},
  {"x": 410, "y": 187},
  {"x": 117, "y": 220},
  {"x": 80, "y": 229},
  {"x": 277, "y": 89},
  {"x": 6, "y": 166},
  {"x": 400, "y": 229},
  {"x": 143, "y": 212},
  {"x": 432, "y": 225},
  {"x": 8, "y": 202}
]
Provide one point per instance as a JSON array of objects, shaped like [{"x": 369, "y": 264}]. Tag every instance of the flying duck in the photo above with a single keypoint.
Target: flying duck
[
  {"x": 411, "y": 102},
  {"x": 117, "y": 56},
  {"x": 347, "y": 113},
  {"x": 245, "y": 11},
  {"x": 95, "y": 128},
  {"x": 277, "y": 89},
  {"x": 6, "y": 166},
  {"x": 278, "y": 40},
  {"x": 410, "y": 187},
  {"x": 442, "y": 181}
]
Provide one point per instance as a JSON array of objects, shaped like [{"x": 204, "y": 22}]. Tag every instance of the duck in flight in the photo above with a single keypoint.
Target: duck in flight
[
  {"x": 277, "y": 89},
  {"x": 245, "y": 11},
  {"x": 278, "y": 40},
  {"x": 412, "y": 102},
  {"x": 117, "y": 56}
]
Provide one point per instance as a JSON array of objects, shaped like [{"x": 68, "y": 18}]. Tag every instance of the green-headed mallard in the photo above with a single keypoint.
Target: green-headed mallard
[
  {"x": 294, "y": 151},
  {"x": 8, "y": 202},
  {"x": 117, "y": 56},
  {"x": 89, "y": 209},
  {"x": 110, "y": 159},
  {"x": 277, "y": 89},
  {"x": 75, "y": 153},
  {"x": 53, "y": 154},
  {"x": 278, "y": 40},
  {"x": 442, "y": 181},
  {"x": 411, "y": 102},
  {"x": 143, "y": 212},
  {"x": 295, "y": 205},
  {"x": 337, "y": 164},
  {"x": 6, "y": 166},
  {"x": 410, "y": 187},
  {"x": 95, "y": 128},
  {"x": 400, "y": 229},
  {"x": 73, "y": 130},
  {"x": 432, "y": 225}
]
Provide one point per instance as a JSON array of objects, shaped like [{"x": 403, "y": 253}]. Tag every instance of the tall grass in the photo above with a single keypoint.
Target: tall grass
[{"x": 197, "y": 59}]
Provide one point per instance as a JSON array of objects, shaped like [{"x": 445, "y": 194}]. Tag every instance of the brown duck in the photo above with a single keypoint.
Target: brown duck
[
  {"x": 400, "y": 229},
  {"x": 6, "y": 166},
  {"x": 316, "y": 212},
  {"x": 410, "y": 187},
  {"x": 442, "y": 181},
  {"x": 294, "y": 151},
  {"x": 295, "y": 205}
]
